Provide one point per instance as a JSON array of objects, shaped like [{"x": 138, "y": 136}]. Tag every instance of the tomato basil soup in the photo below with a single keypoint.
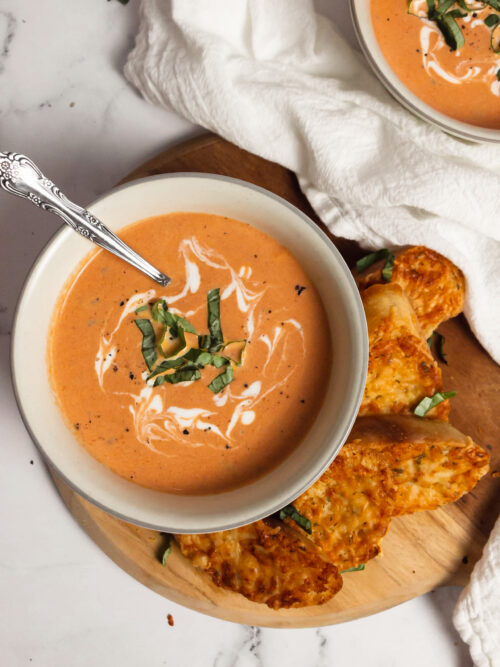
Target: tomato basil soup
[
  {"x": 201, "y": 386},
  {"x": 447, "y": 53}
]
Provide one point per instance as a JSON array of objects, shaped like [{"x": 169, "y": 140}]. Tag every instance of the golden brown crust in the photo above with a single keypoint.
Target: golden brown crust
[
  {"x": 401, "y": 368},
  {"x": 433, "y": 284},
  {"x": 266, "y": 562},
  {"x": 390, "y": 465},
  {"x": 350, "y": 509},
  {"x": 430, "y": 462}
]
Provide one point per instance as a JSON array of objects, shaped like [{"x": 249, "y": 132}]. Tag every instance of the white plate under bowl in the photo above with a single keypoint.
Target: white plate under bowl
[
  {"x": 163, "y": 511},
  {"x": 363, "y": 26}
]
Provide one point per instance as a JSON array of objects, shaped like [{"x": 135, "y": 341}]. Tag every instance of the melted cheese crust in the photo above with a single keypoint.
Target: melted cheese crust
[
  {"x": 390, "y": 465},
  {"x": 430, "y": 462},
  {"x": 401, "y": 368},
  {"x": 433, "y": 284},
  {"x": 266, "y": 562},
  {"x": 350, "y": 509}
]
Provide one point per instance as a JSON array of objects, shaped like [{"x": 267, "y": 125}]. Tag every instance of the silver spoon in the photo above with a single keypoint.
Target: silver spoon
[{"x": 21, "y": 177}]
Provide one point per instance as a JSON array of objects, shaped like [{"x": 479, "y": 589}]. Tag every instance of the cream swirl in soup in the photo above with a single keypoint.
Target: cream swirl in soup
[{"x": 184, "y": 437}]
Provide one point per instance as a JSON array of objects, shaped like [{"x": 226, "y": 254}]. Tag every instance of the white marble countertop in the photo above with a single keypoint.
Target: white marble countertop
[{"x": 63, "y": 603}]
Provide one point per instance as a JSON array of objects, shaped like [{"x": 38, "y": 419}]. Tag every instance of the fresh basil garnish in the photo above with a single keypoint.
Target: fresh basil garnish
[
  {"x": 491, "y": 20},
  {"x": 187, "y": 366},
  {"x": 213, "y": 306},
  {"x": 370, "y": 259},
  {"x": 440, "y": 347},
  {"x": 430, "y": 402},
  {"x": 167, "y": 550},
  {"x": 290, "y": 512},
  {"x": 438, "y": 340},
  {"x": 166, "y": 365},
  {"x": 186, "y": 374},
  {"x": 452, "y": 34},
  {"x": 148, "y": 341},
  {"x": 359, "y": 568},
  {"x": 388, "y": 267},
  {"x": 141, "y": 308},
  {"x": 222, "y": 380}
]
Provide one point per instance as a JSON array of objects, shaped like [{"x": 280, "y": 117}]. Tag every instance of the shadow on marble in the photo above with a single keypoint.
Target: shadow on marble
[{"x": 444, "y": 600}]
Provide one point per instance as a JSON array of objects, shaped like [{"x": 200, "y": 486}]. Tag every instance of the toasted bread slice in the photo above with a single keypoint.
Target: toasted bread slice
[
  {"x": 266, "y": 562},
  {"x": 390, "y": 465},
  {"x": 431, "y": 463},
  {"x": 350, "y": 509},
  {"x": 433, "y": 284},
  {"x": 401, "y": 368}
]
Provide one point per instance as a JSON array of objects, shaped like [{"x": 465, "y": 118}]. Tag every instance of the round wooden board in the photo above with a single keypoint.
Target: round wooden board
[{"x": 421, "y": 551}]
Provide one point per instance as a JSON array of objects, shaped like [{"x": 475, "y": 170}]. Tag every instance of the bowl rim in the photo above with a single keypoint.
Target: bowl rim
[
  {"x": 363, "y": 27},
  {"x": 360, "y": 380}
]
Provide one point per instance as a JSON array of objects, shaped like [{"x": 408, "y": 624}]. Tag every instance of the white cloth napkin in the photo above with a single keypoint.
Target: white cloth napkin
[
  {"x": 276, "y": 79},
  {"x": 477, "y": 614}
]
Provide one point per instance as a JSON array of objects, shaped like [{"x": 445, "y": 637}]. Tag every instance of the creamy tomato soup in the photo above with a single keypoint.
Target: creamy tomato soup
[
  {"x": 201, "y": 435},
  {"x": 460, "y": 80}
]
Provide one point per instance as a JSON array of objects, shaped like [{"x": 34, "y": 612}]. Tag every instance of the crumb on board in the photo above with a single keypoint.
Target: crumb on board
[{"x": 170, "y": 620}]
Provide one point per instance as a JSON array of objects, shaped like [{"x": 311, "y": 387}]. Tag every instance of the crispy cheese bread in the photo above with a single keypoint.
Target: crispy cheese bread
[
  {"x": 390, "y": 465},
  {"x": 430, "y": 462},
  {"x": 350, "y": 508},
  {"x": 401, "y": 368},
  {"x": 433, "y": 284},
  {"x": 266, "y": 562}
]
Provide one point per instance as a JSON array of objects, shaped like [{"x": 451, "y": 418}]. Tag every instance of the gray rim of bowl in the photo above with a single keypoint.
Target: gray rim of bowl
[
  {"x": 462, "y": 133},
  {"x": 360, "y": 380}
]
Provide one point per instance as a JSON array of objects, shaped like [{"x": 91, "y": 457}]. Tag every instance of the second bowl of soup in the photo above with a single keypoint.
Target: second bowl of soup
[
  {"x": 440, "y": 58},
  {"x": 211, "y": 402}
]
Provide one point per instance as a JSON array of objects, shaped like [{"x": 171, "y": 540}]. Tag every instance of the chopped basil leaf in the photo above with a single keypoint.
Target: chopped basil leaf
[
  {"x": 173, "y": 333},
  {"x": 388, "y": 268},
  {"x": 438, "y": 345},
  {"x": 148, "y": 342},
  {"x": 452, "y": 34},
  {"x": 213, "y": 305},
  {"x": 491, "y": 20},
  {"x": 444, "y": 5},
  {"x": 162, "y": 314},
  {"x": 187, "y": 326},
  {"x": 141, "y": 308},
  {"x": 222, "y": 380},
  {"x": 167, "y": 551},
  {"x": 186, "y": 374},
  {"x": 204, "y": 358},
  {"x": 457, "y": 14},
  {"x": 300, "y": 520},
  {"x": 498, "y": 74},
  {"x": 354, "y": 569},
  {"x": 207, "y": 342},
  {"x": 370, "y": 259},
  {"x": 166, "y": 366},
  {"x": 198, "y": 357},
  {"x": 494, "y": 4},
  {"x": 430, "y": 402},
  {"x": 219, "y": 361}
]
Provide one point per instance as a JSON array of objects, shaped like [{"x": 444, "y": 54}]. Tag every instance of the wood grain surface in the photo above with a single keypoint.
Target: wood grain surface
[{"x": 420, "y": 552}]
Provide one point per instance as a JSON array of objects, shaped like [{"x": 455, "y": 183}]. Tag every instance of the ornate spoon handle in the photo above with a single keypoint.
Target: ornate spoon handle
[{"x": 21, "y": 177}]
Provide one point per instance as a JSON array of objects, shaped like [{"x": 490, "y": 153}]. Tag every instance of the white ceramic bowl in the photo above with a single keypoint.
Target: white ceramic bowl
[
  {"x": 361, "y": 16},
  {"x": 154, "y": 509}
]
